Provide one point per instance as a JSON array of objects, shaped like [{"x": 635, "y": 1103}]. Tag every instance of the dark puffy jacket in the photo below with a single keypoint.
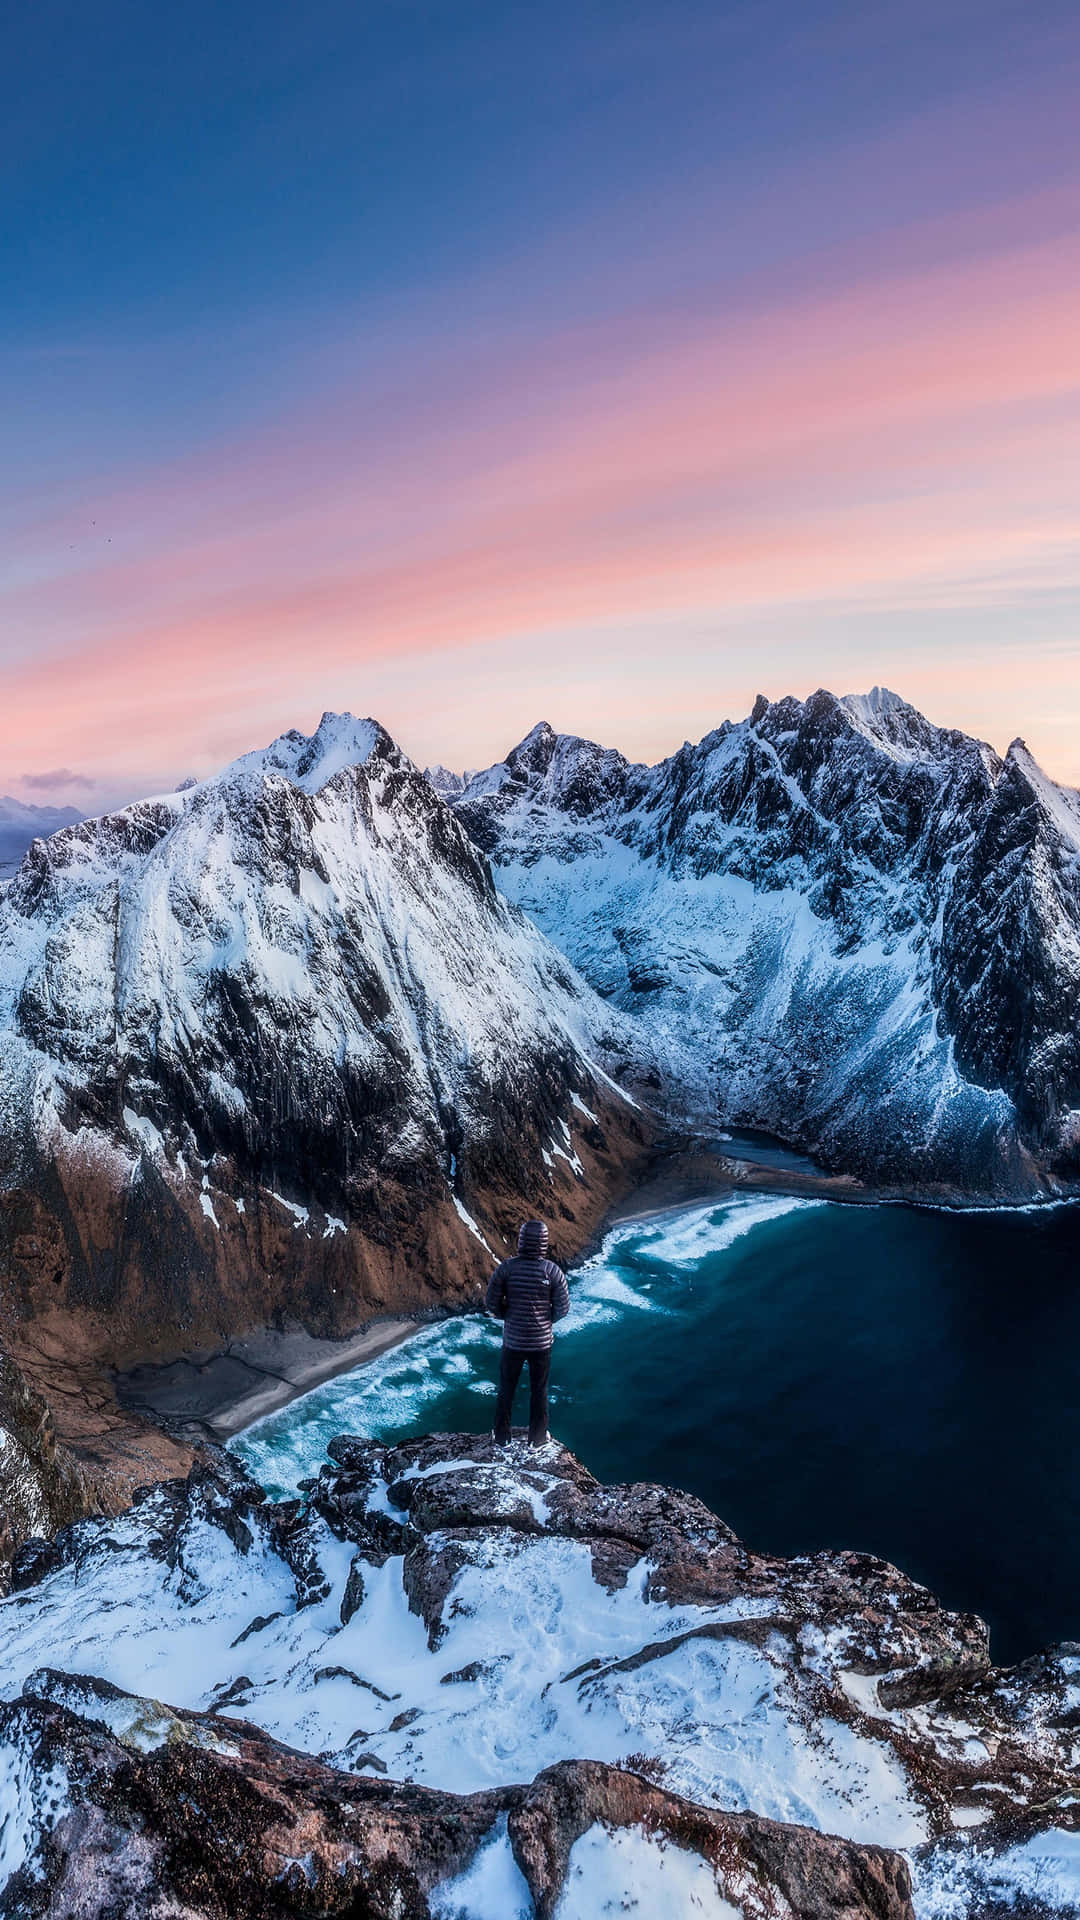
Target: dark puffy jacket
[{"x": 528, "y": 1294}]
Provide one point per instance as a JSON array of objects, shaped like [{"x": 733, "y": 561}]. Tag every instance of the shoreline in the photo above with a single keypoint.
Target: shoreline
[
  {"x": 217, "y": 1394},
  {"x": 692, "y": 1174}
]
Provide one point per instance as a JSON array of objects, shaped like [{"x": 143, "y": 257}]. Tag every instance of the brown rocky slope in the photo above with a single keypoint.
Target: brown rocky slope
[{"x": 275, "y": 1047}]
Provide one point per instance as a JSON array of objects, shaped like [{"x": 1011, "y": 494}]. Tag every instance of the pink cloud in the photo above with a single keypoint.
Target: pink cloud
[{"x": 900, "y": 438}]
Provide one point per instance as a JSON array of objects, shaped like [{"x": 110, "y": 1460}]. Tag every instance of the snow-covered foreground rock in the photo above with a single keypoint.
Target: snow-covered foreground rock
[
  {"x": 438, "y": 1624},
  {"x": 837, "y": 921},
  {"x": 275, "y": 1044}
]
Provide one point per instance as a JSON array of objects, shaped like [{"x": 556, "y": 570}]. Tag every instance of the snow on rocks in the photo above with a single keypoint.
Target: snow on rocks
[
  {"x": 465, "y": 1216},
  {"x": 833, "y": 920},
  {"x": 459, "y": 1618},
  {"x": 222, "y": 1821},
  {"x": 42, "y": 1485},
  {"x": 33, "y": 1797},
  {"x": 1038, "y": 1877},
  {"x": 268, "y": 953},
  {"x": 244, "y": 1030}
]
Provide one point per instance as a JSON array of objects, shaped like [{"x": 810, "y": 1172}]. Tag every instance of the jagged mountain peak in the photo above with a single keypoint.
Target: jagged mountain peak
[
  {"x": 446, "y": 782},
  {"x": 549, "y": 763},
  {"x": 882, "y": 719},
  {"x": 311, "y": 760},
  {"x": 878, "y": 700},
  {"x": 289, "y": 999},
  {"x": 560, "y": 769},
  {"x": 879, "y": 707},
  {"x": 539, "y": 740},
  {"x": 848, "y": 925},
  {"x": 78, "y": 860},
  {"x": 1058, "y": 806},
  {"x": 895, "y": 725},
  {"x": 532, "y": 758}
]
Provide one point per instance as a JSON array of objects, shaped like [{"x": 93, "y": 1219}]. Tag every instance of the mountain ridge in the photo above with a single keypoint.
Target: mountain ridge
[
  {"x": 302, "y": 1040},
  {"x": 23, "y": 821},
  {"x": 921, "y": 971},
  {"x": 275, "y": 1045}
]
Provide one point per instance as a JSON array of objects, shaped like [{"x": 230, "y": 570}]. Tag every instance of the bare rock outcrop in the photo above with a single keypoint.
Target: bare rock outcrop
[{"x": 42, "y": 1485}]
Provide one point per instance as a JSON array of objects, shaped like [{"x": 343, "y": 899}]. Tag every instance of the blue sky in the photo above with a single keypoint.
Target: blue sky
[{"x": 463, "y": 363}]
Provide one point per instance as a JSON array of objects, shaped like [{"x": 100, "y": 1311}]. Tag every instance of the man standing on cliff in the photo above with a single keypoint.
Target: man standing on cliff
[{"x": 528, "y": 1294}]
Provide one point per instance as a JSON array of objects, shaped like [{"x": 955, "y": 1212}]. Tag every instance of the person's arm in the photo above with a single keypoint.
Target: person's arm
[
  {"x": 560, "y": 1292},
  {"x": 495, "y": 1299}
]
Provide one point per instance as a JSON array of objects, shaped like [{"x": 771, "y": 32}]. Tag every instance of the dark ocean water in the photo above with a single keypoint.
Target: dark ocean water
[{"x": 883, "y": 1378}]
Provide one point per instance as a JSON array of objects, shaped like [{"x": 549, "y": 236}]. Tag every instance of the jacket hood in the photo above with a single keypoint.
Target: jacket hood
[{"x": 533, "y": 1239}]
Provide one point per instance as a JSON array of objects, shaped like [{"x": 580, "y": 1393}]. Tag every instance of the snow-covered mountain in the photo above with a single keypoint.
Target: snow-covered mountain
[
  {"x": 276, "y": 1043},
  {"x": 21, "y": 823},
  {"x": 448, "y": 785},
  {"x": 838, "y": 921}
]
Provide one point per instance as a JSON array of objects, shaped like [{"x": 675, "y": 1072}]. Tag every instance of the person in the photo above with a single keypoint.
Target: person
[{"x": 528, "y": 1294}]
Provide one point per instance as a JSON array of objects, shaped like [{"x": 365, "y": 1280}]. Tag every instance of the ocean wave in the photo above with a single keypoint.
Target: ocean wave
[
  {"x": 687, "y": 1238},
  {"x": 399, "y": 1391}
]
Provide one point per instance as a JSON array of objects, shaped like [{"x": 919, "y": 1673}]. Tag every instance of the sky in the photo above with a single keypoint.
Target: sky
[{"x": 470, "y": 364}]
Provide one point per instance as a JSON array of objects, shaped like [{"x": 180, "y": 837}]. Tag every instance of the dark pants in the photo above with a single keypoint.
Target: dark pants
[{"x": 509, "y": 1375}]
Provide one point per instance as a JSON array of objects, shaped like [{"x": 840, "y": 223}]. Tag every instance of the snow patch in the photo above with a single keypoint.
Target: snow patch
[
  {"x": 464, "y": 1215},
  {"x": 493, "y": 1886},
  {"x": 631, "y": 1872},
  {"x": 29, "y": 1806},
  {"x": 148, "y": 1136},
  {"x": 953, "y": 1882},
  {"x": 300, "y": 1215}
]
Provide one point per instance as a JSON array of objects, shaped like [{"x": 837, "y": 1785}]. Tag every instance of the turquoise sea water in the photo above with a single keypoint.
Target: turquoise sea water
[{"x": 885, "y": 1378}]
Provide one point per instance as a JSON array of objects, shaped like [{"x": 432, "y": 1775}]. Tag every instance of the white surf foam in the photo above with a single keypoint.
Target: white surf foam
[{"x": 399, "y": 1391}]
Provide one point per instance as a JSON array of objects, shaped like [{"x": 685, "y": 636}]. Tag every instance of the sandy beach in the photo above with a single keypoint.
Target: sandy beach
[
  {"x": 221, "y": 1393},
  {"x": 218, "y": 1394}
]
